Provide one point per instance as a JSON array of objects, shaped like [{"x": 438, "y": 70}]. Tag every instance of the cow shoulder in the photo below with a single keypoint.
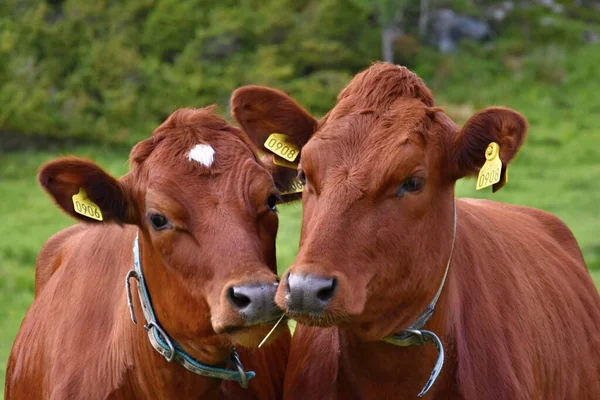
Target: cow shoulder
[
  {"x": 513, "y": 261},
  {"x": 62, "y": 331},
  {"x": 25, "y": 378},
  {"x": 555, "y": 228},
  {"x": 542, "y": 222},
  {"x": 54, "y": 252}
]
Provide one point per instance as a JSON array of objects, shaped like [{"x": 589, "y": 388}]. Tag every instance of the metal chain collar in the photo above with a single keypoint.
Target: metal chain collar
[
  {"x": 164, "y": 344},
  {"x": 414, "y": 335}
]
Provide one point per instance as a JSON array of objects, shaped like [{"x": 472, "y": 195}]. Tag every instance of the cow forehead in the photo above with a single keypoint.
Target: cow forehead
[
  {"x": 384, "y": 105},
  {"x": 195, "y": 139},
  {"x": 190, "y": 163},
  {"x": 204, "y": 153},
  {"x": 365, "y": 138},
  {"x": 202, "y": 187},
  {"x": 216, "y": 166}
]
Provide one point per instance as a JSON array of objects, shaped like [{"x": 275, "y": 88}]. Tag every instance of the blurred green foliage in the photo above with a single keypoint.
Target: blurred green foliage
[
  {"x": 115, "y": 69},
  {"x": 112, "y": 70}
]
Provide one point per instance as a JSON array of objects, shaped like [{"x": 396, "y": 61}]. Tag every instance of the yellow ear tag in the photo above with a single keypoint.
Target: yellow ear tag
[
  {"x": 295, "y": 187},
  {"x": 284, "y": 163},
  {"x": 84, "y": 206},
  {"x": 278, "y": 144},
  {"x": 490, "y": 173}
]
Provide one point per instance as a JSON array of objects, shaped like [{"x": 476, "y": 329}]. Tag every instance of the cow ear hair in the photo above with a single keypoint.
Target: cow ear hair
[
  {"x": 67, "y": 176},
  {"x": 261, "y": 111},
  {"x": 504, "y": 126}
]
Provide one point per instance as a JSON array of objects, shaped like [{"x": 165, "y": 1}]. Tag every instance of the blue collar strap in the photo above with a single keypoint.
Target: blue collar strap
[
  {"x": 416, "y": 336},
  {"x": 164, "y": 344}
]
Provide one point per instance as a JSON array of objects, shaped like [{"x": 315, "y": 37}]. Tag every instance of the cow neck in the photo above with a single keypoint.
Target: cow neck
[
  {"x": 166, "y": 345},
  {"x": 415, "y": 335}
]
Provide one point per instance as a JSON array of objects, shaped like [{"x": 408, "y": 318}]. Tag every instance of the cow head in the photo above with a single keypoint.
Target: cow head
[
  {"x": 205, "y": 207},
  {"x": 379, "y": 172}
]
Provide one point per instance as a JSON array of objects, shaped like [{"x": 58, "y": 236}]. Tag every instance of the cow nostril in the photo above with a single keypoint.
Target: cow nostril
[
  {"x": 238, "y": 299},
  {"x": 287, "y": 283},
  {"x": 326, "y": 293}
]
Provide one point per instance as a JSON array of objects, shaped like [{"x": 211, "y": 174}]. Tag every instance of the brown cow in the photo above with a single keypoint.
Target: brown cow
[
  {"x": 518, "y": 316},
  {"x": 203, "y": 206}
]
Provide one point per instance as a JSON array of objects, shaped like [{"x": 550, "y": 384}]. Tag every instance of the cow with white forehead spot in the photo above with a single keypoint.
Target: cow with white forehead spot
[{"x": 183, "y": 244}]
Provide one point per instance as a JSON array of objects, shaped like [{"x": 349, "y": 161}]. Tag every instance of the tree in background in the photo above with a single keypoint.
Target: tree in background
[
  {"x": 112, "y": 70},
  {"x": 390, "y": 16}
]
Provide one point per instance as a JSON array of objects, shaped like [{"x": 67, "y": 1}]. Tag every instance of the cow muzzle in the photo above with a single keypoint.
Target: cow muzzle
[
  {"x": 309, "y": 294},
  {"x": 255, "y": 302},
  {"x": 313, "y": 296}
]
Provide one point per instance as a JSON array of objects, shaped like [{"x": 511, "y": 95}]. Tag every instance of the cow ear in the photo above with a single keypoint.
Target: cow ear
[
  {"x": 65, "y": 177},
  {"x": 261, "y": 111},
  {"x": 504, "y": 126}
]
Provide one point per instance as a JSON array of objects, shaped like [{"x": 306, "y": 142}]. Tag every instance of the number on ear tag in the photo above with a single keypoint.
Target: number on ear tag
[
  {"x": 278, "y": 144},
  {"x": 84, "y": 206},
  {"x": 491, "y": 171},
  {"x": 295, "y": 187}
]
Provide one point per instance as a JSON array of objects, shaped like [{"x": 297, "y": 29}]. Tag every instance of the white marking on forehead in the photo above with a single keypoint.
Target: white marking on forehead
[{"x": 203, "y": 153}]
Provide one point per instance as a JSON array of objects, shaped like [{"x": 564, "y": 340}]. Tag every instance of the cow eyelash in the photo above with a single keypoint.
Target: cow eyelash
[
  {"x": 272, "y": 201},
  {"x": 302, "y": 177},
  {"x": 412, "y": 184}
]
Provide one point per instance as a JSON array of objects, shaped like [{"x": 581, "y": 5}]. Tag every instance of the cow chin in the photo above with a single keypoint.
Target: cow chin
[
  {"x": 252, "y": 336},
  {"x": 321, "y": 320},
  {"x": 332, "y": 316}
]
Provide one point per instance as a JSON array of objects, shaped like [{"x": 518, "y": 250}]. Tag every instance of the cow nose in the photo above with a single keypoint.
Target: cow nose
[
  {"x": 309, "y": 293},
  {"x": 255, "y": 302}
]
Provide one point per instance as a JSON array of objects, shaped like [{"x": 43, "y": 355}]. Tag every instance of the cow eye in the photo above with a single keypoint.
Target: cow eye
[
  {"x": 411, "y": 185},
  {"x": 159, "y": 222},
  {"x": 272, "y": 202},
  {"x": 302, "y": 177}
]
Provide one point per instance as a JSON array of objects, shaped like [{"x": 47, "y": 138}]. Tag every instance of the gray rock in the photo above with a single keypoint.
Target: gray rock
[
  {"x": 499, "y": 12},
  {"x": 553, "y": 6},
  {"x": 590, "y": 37},
  {"x": 446, "y": 29}
]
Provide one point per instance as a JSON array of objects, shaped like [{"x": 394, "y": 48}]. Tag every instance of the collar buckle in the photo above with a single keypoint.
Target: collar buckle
[
  {"x": 237, "y": 363},
  {"x": 169, "y": 352},
  {"x": 131, "y": 274},
  {"x": 416, "y": 335}
]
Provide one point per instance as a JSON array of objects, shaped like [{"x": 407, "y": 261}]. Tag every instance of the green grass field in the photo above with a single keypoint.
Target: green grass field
[{"x": 29, "y": 218}]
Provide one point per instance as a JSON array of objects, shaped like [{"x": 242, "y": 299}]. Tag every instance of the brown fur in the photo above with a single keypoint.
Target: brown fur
[
  {"x": 519, "y": 314},
  {"x": 77, "y": 339}
]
